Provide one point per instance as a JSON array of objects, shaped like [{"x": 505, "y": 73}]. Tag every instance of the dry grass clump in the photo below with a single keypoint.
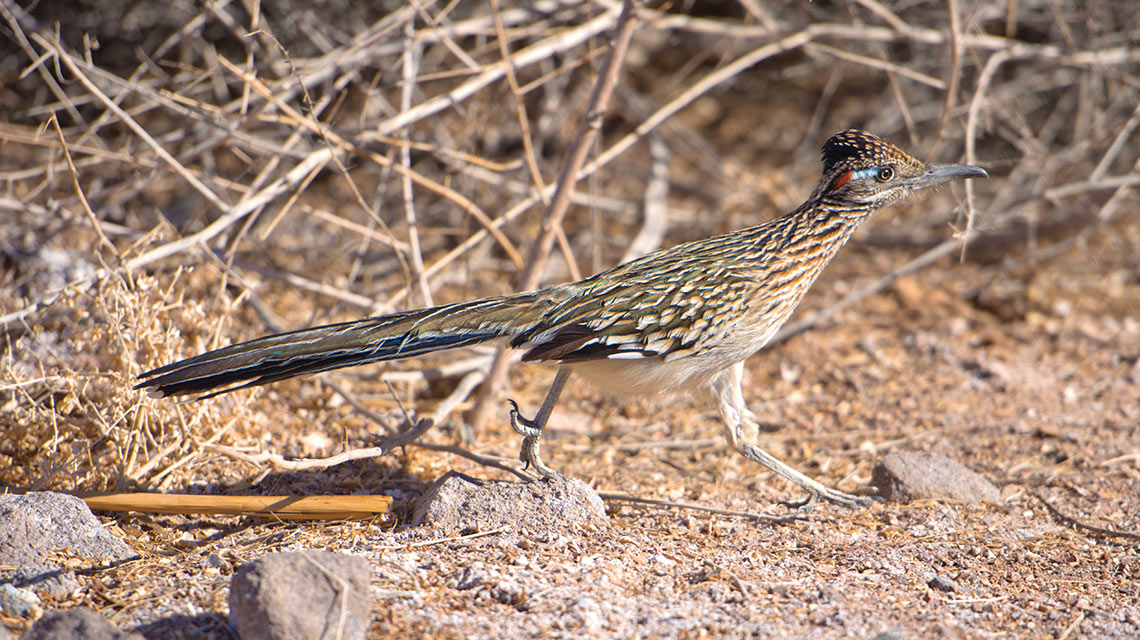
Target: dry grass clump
[
  {"x": 70, "y": 416},
  {"x": 320, "y": 161}
]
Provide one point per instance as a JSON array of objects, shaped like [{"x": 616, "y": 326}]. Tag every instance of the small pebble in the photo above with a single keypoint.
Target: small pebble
[{"x": 942, "y": 583}]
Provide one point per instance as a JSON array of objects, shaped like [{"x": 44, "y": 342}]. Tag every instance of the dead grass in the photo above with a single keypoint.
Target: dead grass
[{"x": 319, "y": 162}]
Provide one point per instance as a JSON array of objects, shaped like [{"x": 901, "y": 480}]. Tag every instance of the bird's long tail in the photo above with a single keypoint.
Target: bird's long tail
[{"x": 346, "y": 344}]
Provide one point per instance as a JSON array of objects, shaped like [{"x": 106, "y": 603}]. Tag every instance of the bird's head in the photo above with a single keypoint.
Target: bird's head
[{"x": 866, "y": 171}]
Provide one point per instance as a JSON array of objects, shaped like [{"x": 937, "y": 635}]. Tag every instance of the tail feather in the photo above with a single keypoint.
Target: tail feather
[{"x": 391, "y": 337}]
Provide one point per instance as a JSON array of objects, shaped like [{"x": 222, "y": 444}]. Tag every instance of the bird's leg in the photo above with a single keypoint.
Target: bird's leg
[
  {"x": 531, "y": 430},
  {"x": 742, "y": 431}
]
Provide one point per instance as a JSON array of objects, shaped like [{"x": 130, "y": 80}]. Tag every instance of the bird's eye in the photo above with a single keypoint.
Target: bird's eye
[{"x": 886, "y": 174}]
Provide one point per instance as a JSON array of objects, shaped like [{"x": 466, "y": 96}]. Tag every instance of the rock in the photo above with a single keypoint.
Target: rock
[
  {"x": 585, "y": 615},
  {"x": 457, "y": 502},
  {"x": 43, "y": 578},
  {"x": 36, "y": 526},
  {"x": 942, "y": 583},
  {"x": 19, "y": 603},
  {"x": 79, "y": 623},
  {"x": 283, "y": 596},
  {"x": 902, "y": 476}
]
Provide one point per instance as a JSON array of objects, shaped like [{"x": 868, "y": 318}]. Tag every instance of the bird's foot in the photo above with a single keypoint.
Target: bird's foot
[
  {"x": 525, "y": 427},
  {"x": 834, "y": 496},
  {"x": 805, "y": 505},
  {"x": 531, "y": 431},
  {"x": 531, "y": 458},
  {"x": 815, "y": 489}
]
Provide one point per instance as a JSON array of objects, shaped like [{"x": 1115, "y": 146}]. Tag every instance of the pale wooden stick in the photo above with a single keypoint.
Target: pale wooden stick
[{"x": 284, "y": 507}]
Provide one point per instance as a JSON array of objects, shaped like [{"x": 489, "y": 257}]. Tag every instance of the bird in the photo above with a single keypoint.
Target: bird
[{"x": 681, "y": 319}]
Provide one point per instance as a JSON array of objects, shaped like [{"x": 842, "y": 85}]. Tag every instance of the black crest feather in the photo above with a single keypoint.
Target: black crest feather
[{"x": 855, "y": 148}]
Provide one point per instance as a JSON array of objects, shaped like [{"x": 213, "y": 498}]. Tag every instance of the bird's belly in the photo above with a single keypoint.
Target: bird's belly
[
  {"x": 691, "y": 372},
  {"x": 655, "y": 375}
]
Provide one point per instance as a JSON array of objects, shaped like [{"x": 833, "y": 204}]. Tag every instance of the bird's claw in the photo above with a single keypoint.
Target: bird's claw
[
  {"x": 525, "y": 427},
  {"x": 840, "y": 498},
  {"x": 531, "y": 432}
]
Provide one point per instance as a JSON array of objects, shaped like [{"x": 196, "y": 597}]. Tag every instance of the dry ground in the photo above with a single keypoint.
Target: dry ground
[{"x": 1019, "y": 358}]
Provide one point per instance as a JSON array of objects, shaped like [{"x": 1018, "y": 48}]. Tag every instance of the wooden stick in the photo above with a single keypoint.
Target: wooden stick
[{"x": 283, "y": 507}]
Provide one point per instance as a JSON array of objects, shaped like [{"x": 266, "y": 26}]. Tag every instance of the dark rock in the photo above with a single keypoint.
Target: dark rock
[
  {"x": 942, "y": 583},
  {"x": 36, "y": 526},
  {"x": 902, "y": 476},
  {"x": 79, "y": 623},
  {"x": 456, "y": 503},
  {"x": 307, "y": 594}
]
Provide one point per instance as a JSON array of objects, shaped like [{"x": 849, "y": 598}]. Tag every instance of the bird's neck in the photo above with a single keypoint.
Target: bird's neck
[
  {"x": 813, "y": 233},
  {"x": 790, "y": 252}
]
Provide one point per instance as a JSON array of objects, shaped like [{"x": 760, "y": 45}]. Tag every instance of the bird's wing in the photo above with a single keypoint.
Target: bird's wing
[{"x": 642, "y": 309}]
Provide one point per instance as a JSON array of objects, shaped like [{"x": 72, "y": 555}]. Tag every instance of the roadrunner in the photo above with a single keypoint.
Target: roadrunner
[{"x": 679, "y": 319}]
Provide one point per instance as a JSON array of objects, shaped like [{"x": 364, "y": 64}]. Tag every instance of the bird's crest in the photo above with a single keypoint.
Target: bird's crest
[{"x": 853, "y": 149}]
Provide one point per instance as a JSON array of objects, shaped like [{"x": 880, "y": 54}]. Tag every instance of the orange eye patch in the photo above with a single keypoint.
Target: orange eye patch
[{"x": 848, "y": 176}]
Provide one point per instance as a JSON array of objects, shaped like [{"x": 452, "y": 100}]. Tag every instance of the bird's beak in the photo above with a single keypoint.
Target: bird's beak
[{"x": 936, "y": 174}]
